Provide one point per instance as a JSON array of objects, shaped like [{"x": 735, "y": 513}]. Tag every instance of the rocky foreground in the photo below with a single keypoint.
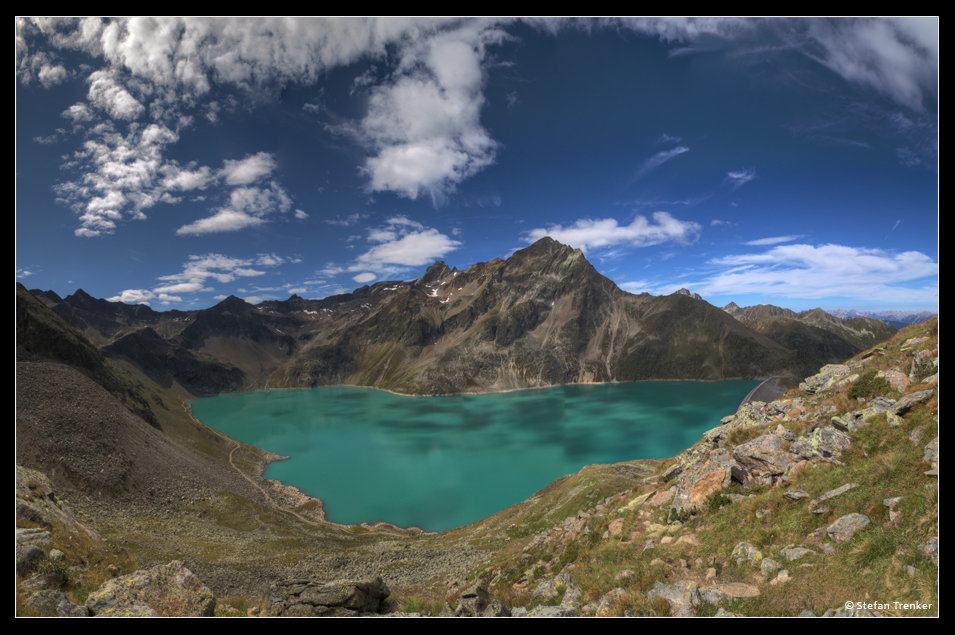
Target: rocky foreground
[{"x": 824, "y": 502}]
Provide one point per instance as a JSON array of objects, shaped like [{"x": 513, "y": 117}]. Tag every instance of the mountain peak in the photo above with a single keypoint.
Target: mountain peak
[{"x": 686, "y": 292}]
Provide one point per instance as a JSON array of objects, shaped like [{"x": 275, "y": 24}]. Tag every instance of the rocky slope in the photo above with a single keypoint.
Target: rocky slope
[{"x": 825, "y": 502}]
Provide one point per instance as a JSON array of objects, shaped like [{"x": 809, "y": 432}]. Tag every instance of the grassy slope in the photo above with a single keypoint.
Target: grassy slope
[{"x": 881, "y": 564}]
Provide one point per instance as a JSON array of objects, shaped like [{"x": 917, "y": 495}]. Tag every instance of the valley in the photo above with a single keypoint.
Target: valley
[{"x": 101, "y": 389}]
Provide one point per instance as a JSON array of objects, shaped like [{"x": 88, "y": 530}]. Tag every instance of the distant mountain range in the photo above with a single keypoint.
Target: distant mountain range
[
  {"x": 542, "y": 317},
  {"x": 898, "y": 319}
]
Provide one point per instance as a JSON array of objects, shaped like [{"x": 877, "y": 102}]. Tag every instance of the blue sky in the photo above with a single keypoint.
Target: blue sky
[{"x": 178, "y": 161}]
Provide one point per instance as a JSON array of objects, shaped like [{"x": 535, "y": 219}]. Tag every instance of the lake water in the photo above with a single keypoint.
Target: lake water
[{"x": 443, "y": 462}]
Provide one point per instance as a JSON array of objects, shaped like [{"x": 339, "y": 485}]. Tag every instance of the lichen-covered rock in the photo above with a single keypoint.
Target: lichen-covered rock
[
  {"x": 844, "y": 528},
  {"x": 823, "y": 443},
  {"x": 908, "y": 402},
  {"x": 765, "y": 458},
  {"x": 303, "y": 598},
  {"x": 795, "y": 553},
  {"x": 473, "y": 600},
  {"x": 683, "y": 597},
  {"x": 56, "y": 603},
  {"x": 746, "y": 551},
  {"x": 828, "y": 377},
  {"x": 165, "y": 590}
]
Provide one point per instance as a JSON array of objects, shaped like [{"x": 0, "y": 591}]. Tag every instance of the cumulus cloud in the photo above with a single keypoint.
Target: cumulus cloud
[
  {"x": 806, "y": 271},
  {"x": 248, "y": 170},
  {"x": 109, "y": 95},
  {"x": 133, "y": 296},
  {"x": 405, "y": 243},
  {"x": 424, "y": 126},
  {"x": 588, "y": 233}
]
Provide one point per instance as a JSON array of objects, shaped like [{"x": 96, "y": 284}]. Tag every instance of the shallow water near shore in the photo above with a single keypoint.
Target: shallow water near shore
[{"x": 443, "y": 462}]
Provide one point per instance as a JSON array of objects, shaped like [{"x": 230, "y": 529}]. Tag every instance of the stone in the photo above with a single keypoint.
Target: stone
[
  {"x": 473, "y": 600},
  {"x": 496, "y": 608},
  {"x": 56, "y": 603},
  {"x": 552, "y": 611},
  {"x": 908, "y": 402},
  {"x": 682, "y": 597},
  {"x": 781, "y": 578},
  {"x": 769, "y": 566},
  {"x": 931, "y": 453},
  {"x": 929, "y": 549},
  {"x": 607, "y": 600},
  {"x": 305, "y": 598},
  {"x": 765, "y": 458},
  {"x": 164, "y": 590},
  {"x": 814, "y": 505},
  {"x": 794, "y": 553},
  {"x": 746, "y": 551},
  {"x": 823, "y": 443},
  {"x": 844, "y": 528}
]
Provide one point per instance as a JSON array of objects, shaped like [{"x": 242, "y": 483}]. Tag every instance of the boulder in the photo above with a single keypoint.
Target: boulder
[
  {"x": 682, "y": 597},
  {"x": 164, "y": 590},
  {"x": 844, "y": 528},
  {"x": 308, "y": 598}
]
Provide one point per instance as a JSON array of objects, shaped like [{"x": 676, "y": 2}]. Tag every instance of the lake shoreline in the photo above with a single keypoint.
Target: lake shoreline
[{"x": 615, "y": 422}]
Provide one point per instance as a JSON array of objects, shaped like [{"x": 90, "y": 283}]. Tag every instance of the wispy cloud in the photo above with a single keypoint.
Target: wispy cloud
[
  {"x": 197, "y": 273},
  {"x": 806, "y": 271},
  {"x": 739, "y": 178},
  {"x": 774, "y": 240},
  {"x": 659, "y": 159}
]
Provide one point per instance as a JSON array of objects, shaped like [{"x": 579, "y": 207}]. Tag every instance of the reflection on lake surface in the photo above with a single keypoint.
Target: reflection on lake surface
[{"x": 444, "y": 462}]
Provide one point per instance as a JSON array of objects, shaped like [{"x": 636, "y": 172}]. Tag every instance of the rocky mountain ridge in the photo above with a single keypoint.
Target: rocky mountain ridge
[{"x": 542, "y": 317}]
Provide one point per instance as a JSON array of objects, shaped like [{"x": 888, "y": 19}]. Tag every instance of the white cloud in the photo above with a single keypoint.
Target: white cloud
[
  {"x": 300, "y": 215},
  {"x": 197, "y": 272},
  {"x": 740, "y": 178},
  {"x": 225, "y": 220},
  {"x": 78, "y": 113},
  {"x": 109, "y": 95},
  {"x": 133, "y": 296},
  {"x": 248, "y": 170},
  {"x": 897, "y": 57},
  {"x": 805, "y": 271},
  {"x": 658, "y": 159},
  {"x": 588, "y": 233},
  {"x": 424, "y": 126},
  {"x": 774, "y": 240},
  {"x": 400, "y": 243}
]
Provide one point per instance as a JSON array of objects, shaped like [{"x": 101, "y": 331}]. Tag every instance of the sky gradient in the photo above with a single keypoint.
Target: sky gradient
[{"x": 179, "y": 161}]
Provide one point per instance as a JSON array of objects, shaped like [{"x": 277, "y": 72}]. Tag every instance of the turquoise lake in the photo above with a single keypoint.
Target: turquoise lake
[{"x": 443, "y": 462}]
